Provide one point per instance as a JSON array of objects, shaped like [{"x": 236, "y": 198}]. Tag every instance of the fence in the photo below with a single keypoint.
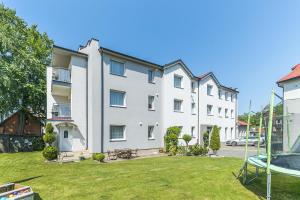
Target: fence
[{"x": 19, "y": 143}]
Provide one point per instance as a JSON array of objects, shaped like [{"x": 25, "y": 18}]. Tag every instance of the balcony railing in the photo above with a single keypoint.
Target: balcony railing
[
  {"x": 61, "y": 110},
  {"x": 62, "y": 75}
]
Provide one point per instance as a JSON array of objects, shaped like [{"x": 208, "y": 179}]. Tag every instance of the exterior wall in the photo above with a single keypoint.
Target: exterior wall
[
  {"x": 78, "y": 102},
  {"x": 94, "y": 96},
  {"x": 75, "y": 96},
  {"x": 185, "y": 118},
  {"x": 135, "y": 116},
  {"x": 214, "y": 100},
  {"x": 291, "y": 95}
]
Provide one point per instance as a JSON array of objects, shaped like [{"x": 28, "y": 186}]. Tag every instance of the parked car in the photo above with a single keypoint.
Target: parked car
[{"x": 252, "y": 141}]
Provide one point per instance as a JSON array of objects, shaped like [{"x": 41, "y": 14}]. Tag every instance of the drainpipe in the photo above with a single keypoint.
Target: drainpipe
[
  {"x": 102, "y": 103},
  {"x": 87, "y": 108},
  {"x": 198, "y": 113}
]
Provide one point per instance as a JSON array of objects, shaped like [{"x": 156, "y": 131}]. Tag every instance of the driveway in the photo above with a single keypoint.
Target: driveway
[{"x": 238, "y": 151}]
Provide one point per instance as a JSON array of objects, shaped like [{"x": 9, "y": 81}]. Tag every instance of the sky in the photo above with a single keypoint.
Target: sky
[{"x": 246, "y": 44}]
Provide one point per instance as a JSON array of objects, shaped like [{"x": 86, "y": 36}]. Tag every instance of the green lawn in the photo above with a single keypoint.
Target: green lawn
[{"x": 150, "y": 178}]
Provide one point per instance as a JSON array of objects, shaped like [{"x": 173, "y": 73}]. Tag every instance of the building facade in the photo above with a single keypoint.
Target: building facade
[
  {"x": 291, "y": 109},
  {"x": 99, "y": 100}
]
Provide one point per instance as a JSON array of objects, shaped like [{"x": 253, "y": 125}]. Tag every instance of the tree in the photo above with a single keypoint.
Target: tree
[
  {"x": 215, "y": 143},
  {"x": 50, "y": 152},
  {"x": 171, "y": 138},
  {"x": 24, "y": 55},
  {"x": 187, "y": 138},
  {"x": 206, "y": 139}
]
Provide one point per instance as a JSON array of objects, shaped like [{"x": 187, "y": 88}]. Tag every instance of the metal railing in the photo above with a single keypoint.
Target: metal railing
[
  {"x": 60, "y": 74},
  {"x": 61, "y": 110}
]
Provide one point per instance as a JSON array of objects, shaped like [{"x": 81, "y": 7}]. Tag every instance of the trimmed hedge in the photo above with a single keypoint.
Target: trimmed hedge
[
  {"x": 99, "y": 157},
  {"x": 50, "y": 153}
]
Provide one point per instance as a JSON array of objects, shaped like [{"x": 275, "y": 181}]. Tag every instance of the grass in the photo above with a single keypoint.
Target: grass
[{"x": 150, "y": 178}]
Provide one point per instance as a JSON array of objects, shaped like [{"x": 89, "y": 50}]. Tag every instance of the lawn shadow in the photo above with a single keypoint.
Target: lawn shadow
[
  {"x": 256, "y": 186},
  {"x": 27, "y": 179},
  {"x": 37, "y": 196}
]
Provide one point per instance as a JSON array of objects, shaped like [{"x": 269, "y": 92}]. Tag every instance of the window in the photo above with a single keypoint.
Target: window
[
  {"x": 209, "y": 109},
  {"x": 150, "y": 132},
  {"x": 180, "y": 127},
  {"x": 231, "y": 132},
  {"x": 193, "y": 86},
  {"x": 231, "y": 114},
  {"x": 177, "y": 105},
  {"x": 220, "y": 94},
  {"x": 226, "y": 133},
  {"x": 226, "y": 113},
  {"x": 117, "y": 68},
  {"x": 193, "y": 108},
  {"x": 219, "y": 111},
  {"x": 66, "y": 134},
  {"x": 117, "y": 98},
  {"x": 151, "y": 76},
  {"x": 209, "y": 90},
  {"x": 117, "y": 132},
  {"x": 231, "y": 97},
  {"x": 150, "y": 102},
  {"x": 177, "y": 81},
  {"x": 193, "y": 131},
  {"x": 226, "y": 96}
]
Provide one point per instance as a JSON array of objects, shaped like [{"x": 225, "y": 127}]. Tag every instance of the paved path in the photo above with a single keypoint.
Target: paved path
[{"x": 237, "y": 151}]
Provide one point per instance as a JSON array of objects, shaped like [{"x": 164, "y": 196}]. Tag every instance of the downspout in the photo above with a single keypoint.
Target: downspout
[
  {"x": 198, "y": 114},
  {"x": 87, "y": 107},
  {"x": 102, "y": 103}
]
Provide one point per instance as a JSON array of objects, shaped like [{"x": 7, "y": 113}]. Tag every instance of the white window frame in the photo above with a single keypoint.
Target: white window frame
[
  {"x": 153, "y": 107},
  {"x": 117, "y": 61},
  {"x": 117, "y": 139},
  {"x": 226, "y": 96},
  {"x": 220, "y": 111},
  {"x": 193, "y": 131},
  {"x": 226, "y": 113},
  {"x": 211, "y": 110},
  {"x": 209, "y": 92},
  {"x": 181, "y": 79},
  {"x": 220, "y": 94},
  {"x": 152, "y": 136},
  {"x": 193, "y": 109},
  {"x": 124, "y": 100},
  {"x": 179, "y": 100},
  {"x": 193, "y": 86},
  {"x": 153, "y": 75}
]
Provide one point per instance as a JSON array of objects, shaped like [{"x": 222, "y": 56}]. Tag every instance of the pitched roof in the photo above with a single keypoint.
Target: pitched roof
[
  {"x": 295, "y": 73},
  {"x": 242, "y": 123},
  {"x": 179, "y": 61},
  {"x": 211, "y": 74}
]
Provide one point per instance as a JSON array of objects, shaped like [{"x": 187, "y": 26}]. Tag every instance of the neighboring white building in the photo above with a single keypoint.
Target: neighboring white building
[
  {"x": 291, "y": 107},
  {"x": 99, "y": 100}
]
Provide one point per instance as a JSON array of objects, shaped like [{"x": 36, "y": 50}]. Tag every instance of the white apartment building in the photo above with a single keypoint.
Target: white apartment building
[{"x": 99, "y": 100}]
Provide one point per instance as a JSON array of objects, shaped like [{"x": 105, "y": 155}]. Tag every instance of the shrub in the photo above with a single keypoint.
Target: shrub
[
  {"x": 50, "y": 153},
  {"x": 38, "y": 144},
  {"x": 187, "y": 138},
  {"x": 49, "y": 138},
  {"x": 49, "y": 128},
  {"x": 171, "y": 137},
  {"x": 215, "y": 143},
  {"x": 173, "y": 150},
  {"x": 173, "y": 130},
  {"x": 99, "y": 157},
  {"x": 206, "y": 139},
  {"x": 181, "y": 150},
  {"x": 197, "y": 150}
]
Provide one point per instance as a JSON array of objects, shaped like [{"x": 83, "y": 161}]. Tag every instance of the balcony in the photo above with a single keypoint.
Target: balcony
[
  {"x": 61, "y": 75},
  {"x": 61, "y": 110},
  {"x": 61, "y": 82}
]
